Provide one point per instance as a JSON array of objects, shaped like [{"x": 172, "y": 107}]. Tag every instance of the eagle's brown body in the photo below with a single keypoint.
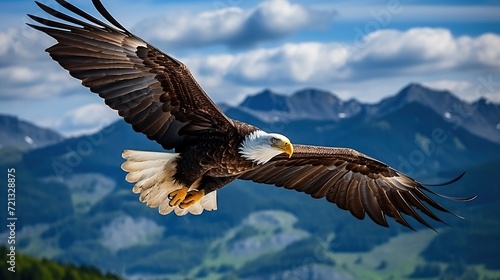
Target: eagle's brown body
[
  {"x": 215, "y": 158},
  {"x": 159, "y": 97}
]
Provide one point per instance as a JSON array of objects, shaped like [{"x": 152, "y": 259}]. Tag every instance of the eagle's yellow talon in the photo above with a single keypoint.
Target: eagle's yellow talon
[
  {"x": 177, "y": 197},
  {"x": 192, "y": 198}
]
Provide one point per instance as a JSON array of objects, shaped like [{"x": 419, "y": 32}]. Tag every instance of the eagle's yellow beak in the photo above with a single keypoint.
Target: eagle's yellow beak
[{"x": 286, "y": 146}]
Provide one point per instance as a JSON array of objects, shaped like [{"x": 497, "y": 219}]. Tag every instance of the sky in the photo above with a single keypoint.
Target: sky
[{"x": 367, "y": 50}]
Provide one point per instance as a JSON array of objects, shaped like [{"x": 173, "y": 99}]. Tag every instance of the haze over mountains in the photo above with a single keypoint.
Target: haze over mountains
[{"x": 76, "y": 206}]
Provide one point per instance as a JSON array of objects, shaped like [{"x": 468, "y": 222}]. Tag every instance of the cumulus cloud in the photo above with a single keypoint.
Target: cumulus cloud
[
  {"x": 36, "y": 80},
  {"x": 429, "y": 55},
  {"x": 232, "y": 26},
  {"x": 424, "y": 49},
  {"x": 18, "y": 43},
  {"x": 86, "y": 119},
  {"x": 384, "y": 53},
  {"x": 26, "y": 71},
  {"x": 91, "y": 114}
]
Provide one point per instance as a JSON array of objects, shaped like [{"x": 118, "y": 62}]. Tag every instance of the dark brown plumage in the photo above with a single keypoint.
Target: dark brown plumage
[
  {"x": 352, "y": 181},
  {"x": 159, "y": 97}
]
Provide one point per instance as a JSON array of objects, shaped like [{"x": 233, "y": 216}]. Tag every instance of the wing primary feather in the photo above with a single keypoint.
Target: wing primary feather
[
  {"x": 156, "y": 125},
  {"x": 389, "y": 207},
  {"x": 320, "y": 187},
  {"x": 86, "y": 16},
  {"x": 412, "y": 212},
  {"x": 461, "y": 199},
  {"x": 447, "y": 182},
  {"x": 153, "y": 117},
  {"x": 369, "y": 201},
  {"x": 410, "y": 197},
  {"x": 429, "y": 200},
  {"x": 332, "y": 192},
  {"x": 52, "y": 23},
  {"x": 104, "y": 12},
  {"x": 343, "y": 188},
  {"x": 379, "y": 196},
  {"x": 171, "y": 134},
  {"x": 306, "y": 182},
  {"x": 60, "y": 15},
  {"x": 399, "y": 200},
  {"x": 354, "y": 203}
]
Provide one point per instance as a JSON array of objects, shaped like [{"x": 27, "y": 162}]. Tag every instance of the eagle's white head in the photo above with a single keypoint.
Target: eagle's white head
[{"x": 260, "y": 146}]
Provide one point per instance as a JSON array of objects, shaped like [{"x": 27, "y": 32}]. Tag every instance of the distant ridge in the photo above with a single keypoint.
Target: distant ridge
[
  {"x": 19, "y": 134},
  {"x": 481, "y": 117}
]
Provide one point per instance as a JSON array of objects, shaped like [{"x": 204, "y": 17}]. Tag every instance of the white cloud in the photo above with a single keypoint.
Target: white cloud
[
  {"x": 484, "y": 50},
  {"x": 386, "y": 52},
  {"x": 281, "y": 16},
  {"x": 412, "y": 11},
  {"x": 86, "y": 119},
  {"x": 443, "y": 13},
  {"x": 26, "y": 71},
  {"x": 232, "y": 26},
  {"x": 425, "y": 49},
  {"x": 387, "y": 61},
  {"x": 37, "y": 80},
  {"x": 91, "y": 115},
  {"x": 18, "y": 44},
  {"x": 304, "y": 62}
]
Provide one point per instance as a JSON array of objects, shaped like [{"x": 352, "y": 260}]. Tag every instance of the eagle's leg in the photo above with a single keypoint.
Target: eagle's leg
[
  {"x": 177, "y": 197},
  {"x": 186, "y": 197},
  {"x": 192, "y": 197}
]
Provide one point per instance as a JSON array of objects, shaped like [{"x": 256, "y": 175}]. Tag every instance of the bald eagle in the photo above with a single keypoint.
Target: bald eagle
[{"x": 159, "y": 97}]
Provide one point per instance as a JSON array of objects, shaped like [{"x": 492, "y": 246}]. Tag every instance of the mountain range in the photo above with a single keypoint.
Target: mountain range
[
  {"x": 76, "y": 207},
  {"x": 481, "y": 117},
  {"x": 19, "y": 134}
]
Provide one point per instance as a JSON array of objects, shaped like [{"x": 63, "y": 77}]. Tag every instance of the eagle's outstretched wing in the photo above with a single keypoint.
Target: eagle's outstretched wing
[
  {"x": 353, "y": 181},
  {"x": 152, "y": 91}
]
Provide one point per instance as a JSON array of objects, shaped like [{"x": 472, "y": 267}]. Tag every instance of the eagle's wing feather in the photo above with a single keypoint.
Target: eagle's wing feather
[
  {"x": 351, "y": 180},
  {"x": 152, "y": 91}
]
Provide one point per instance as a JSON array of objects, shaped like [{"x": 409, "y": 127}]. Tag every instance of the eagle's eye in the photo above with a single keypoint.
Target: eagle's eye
[{"x": 274, "y": 140}]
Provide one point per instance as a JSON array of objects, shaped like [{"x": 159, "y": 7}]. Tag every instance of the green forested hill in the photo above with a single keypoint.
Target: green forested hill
[{"x": 31, "y": 268}]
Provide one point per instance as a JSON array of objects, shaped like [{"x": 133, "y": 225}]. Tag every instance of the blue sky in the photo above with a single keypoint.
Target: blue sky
[{"x": 366, "y": 50}]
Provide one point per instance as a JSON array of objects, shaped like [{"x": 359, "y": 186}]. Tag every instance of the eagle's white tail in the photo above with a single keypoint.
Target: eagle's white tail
[{"x": 153, "y": 174}]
